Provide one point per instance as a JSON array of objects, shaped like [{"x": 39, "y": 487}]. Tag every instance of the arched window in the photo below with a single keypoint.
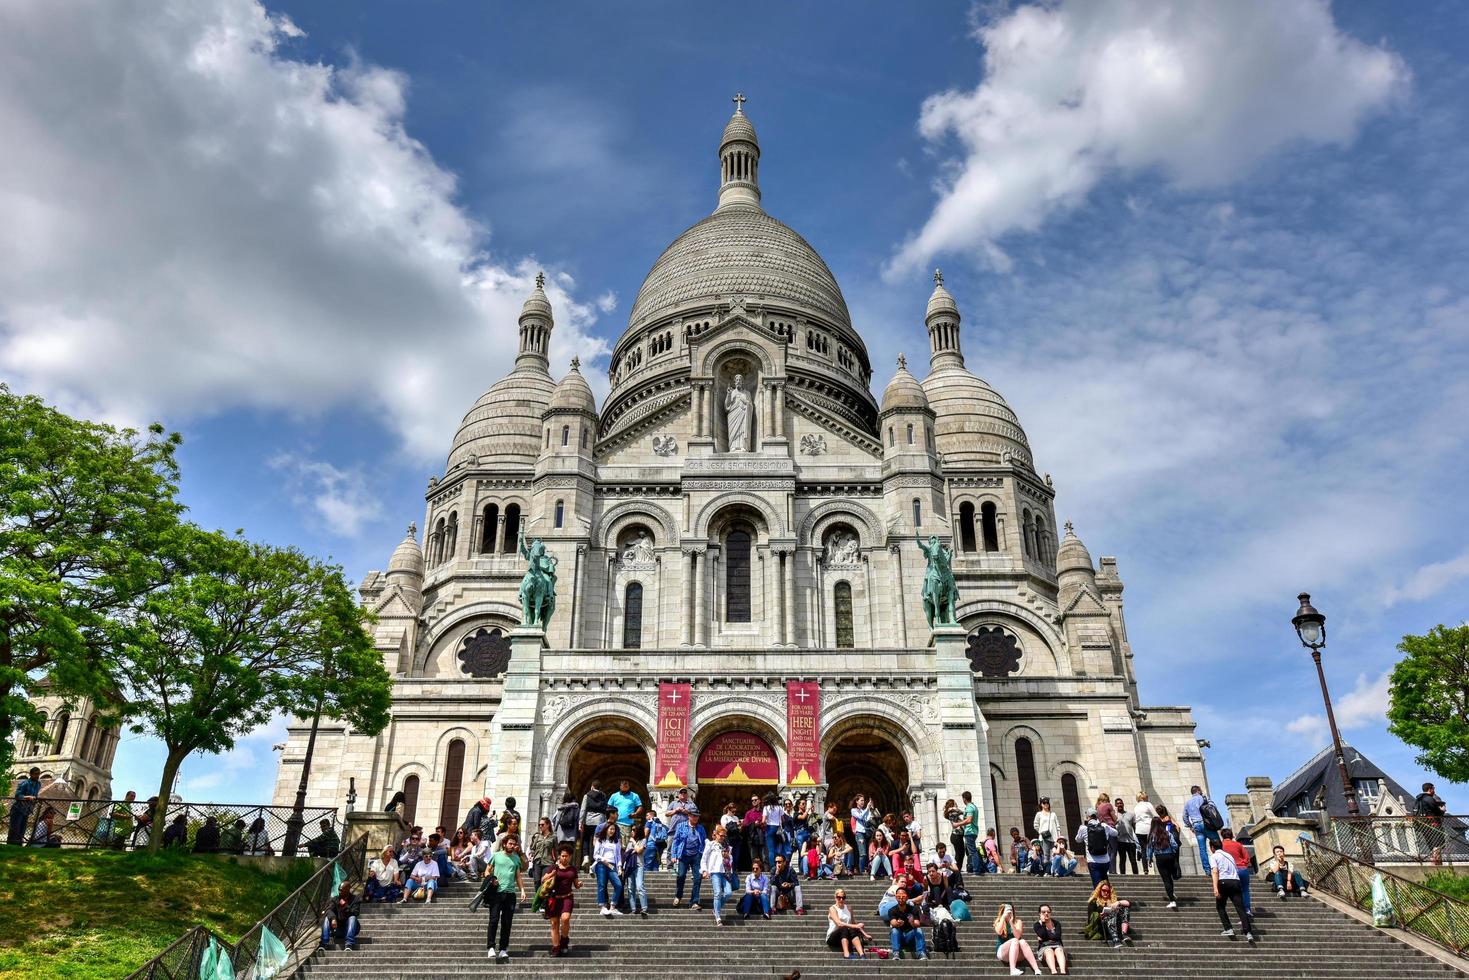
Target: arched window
[
  {"x": 548, "y": 437},
  {"x": 584, "y": 438},
  {"x": 1071, "y": 801},
  {"x": 990, "y": 526},
  {"x": 33, "y": 746},
  {"x": 892, "y": 439},
  {"x": 451, "y": 539},
  {"x": 99, "y": 750},
  {"x": 410, "y": 800},
  {"x": 436, "y": 546},
  {"x": 1027, "y": 527},
  {"x": 910, "y": 433},
  {"x": 737, "y": 576},
  {"x": 453, "y": 783},
  {"x": 92, "y": 793},
  {"x": 560, "y": 514},
  {"x": 84, "y": 750},
  {"x": 565, "y": 440},
  {"x": 487, "y": 533},
  {"x": 63, "y": 722},
  {"x": 1025, "y": 775},
  {"x": 632, "y": 617},
  {"x": 842, "y": 608},
  {"x": 512, "y": 531},
  {"x": 966, "y": 526},
  {"x": 917, "y": 512},
  {"x": 1042, "y": 541}
]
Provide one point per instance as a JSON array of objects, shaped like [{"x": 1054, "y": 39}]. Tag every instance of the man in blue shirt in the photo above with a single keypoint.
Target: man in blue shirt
[
  {"x": 26, "y": 792},
  {"x": 1193, "y": 818},
  {"x": 628, "y": 805}
]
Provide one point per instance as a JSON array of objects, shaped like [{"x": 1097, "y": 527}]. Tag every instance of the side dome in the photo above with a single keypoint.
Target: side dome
[
  {"x": 904, "y": 391},
  {"x": 741, "y": 251},
  {"x": 506, "y": 421},
  {"x": 972, "y": 423},
  {"x": 1072, "y": 556},
  {"x": 573, "y": 394},
  {"x": 408, "y": 556}
]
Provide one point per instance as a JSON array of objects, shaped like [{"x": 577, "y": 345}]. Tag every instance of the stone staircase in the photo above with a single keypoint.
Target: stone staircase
[{"x": 1299, "y": 939}]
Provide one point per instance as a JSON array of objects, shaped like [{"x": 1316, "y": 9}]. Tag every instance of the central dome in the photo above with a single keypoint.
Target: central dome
[{"x": 739, "y": 250}]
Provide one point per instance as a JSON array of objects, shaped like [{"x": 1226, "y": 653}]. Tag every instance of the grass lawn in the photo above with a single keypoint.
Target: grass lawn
[{"x": 91, "y": 915}]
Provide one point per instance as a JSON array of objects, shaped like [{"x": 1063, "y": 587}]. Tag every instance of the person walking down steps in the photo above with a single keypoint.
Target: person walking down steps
[{"x": 502, "y": 887}]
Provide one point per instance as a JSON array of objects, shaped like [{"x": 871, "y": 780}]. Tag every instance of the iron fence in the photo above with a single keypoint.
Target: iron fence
[
  {"x": 1421, "y": 910},
  {"x": 279, "y": 941},
  {"x": 1418, "y": 840},
  {"x": 241, "y": 828}
]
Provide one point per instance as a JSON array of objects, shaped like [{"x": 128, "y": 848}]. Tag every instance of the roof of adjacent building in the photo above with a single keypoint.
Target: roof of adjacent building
[{"x": 1320, "y": 778}]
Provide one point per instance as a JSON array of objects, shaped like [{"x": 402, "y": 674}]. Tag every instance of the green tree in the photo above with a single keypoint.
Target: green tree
[
  {"x": 83, "y": 510},
  {"x": 241, "y": 632},
  {"x": 1429, "y": 706}
]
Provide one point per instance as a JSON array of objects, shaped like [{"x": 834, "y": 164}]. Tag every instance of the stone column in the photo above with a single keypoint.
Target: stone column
[
  {"x": 688, "y": 593},
  {"x": 478, "y": 534},
  {"x": 382, "y": 830},
  {"x": 790, "y": 597},
  {"x": 964, "y": 730},
  {"x": 699, "y": 410},
  {"x": 780, "y": 411},
  {"x": 578, "y": 607},
  {"x": 900, "y": 614},
  {"x": 701, "y": 600},
  {"x": 497, "y": 544},
  {"x": 513, "y": 728}
]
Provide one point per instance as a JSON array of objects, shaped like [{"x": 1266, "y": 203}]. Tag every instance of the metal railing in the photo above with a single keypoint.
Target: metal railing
[
  {"x": 1418, "y": 909},
  {"x": 1418, "y": 840},
  {"x": 243, "y": 828},
  {"x": 291, "y": 924}
]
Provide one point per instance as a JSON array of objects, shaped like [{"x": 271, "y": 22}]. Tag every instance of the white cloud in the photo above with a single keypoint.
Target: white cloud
[
  {"x": 1364, "y": 706},
  {"x": 196, "y": 220},
  {"x": 1428, "y": 581},
  {"x": 202, "y": 774},
  {"x": 340, "y": 498},
  {"x": 1076, "y": 90},
  {"x": 607, "y": 302}
]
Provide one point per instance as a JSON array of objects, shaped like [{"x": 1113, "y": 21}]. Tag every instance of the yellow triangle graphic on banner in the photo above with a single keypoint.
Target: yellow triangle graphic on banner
[
  {"x": 670, "y": 780},
  {"x": 803, "y": 778}
]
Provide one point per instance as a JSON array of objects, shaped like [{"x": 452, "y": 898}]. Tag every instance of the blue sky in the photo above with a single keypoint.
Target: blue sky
[{"x": 1213, "y": 255}]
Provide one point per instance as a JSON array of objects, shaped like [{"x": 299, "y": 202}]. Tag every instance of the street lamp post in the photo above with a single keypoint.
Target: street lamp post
[
  {"x": 1311, "y": 628},
  {"x": 297, "y": 820}
]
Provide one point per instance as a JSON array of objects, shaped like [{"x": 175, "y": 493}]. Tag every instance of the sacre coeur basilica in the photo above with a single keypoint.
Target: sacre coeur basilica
[{"x": 745, "y": 574}]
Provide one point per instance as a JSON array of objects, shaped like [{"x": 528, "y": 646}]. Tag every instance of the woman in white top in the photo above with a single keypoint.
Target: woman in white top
[
  {"x": 1047, "y": 827},
  {"x": 773, "y": 816},
  {"x": 841, "y": 932},
  {"x": 717, "y": 868},
  {"x": 607, "y": 860},
  {"x": 1143, "y": 816}
]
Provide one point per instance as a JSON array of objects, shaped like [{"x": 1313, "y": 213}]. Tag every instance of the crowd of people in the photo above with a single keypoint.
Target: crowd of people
[{"x": 753, "y": 864}]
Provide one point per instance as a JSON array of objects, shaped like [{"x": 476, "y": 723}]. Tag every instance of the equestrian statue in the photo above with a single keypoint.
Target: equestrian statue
[
  {"x": 538, "y": 586},
  {"x": 940, "y": 591}
]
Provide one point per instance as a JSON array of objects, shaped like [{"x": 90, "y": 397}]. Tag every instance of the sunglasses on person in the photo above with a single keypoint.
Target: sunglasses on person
[{"x": 841, "y": 896}]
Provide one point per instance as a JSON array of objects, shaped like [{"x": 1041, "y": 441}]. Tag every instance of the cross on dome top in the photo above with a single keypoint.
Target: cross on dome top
[
  {"x": 540, "y": 280},
  {"x": 739, "y": 100},
  {"x": 903, "y": 361},
  {"x": 938, "y": 277},
  {"x": 575, "y": 363},
  {"x": 1069, "y": 528},
  {"x": 413, "y": 529}
]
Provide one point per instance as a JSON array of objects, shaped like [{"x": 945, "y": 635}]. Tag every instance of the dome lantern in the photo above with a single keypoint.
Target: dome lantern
[
  {"x": 739, "y": 160},
  {"x": 942, "y": 320},
  {"x": 536, "y": 324}
]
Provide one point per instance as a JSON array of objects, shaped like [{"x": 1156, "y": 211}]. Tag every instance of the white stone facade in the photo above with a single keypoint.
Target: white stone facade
[
  {"x": 76, "y": 751},
  {"x": 643, "y": 503}
]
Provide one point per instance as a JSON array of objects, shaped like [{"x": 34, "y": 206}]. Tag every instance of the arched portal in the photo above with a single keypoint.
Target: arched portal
[
  {"x": 735, "y": 766},
  {"x": 609, "y": 755},
  {"x": 866, "y": 761}
]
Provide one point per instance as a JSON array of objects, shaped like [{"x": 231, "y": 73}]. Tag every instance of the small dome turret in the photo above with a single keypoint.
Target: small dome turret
[
  {"x": 573, "y": 394},
  {"x": 1074, "y": 571},
  {"x": 904, "y": 392},
  {"x": 406, "y": 565}
]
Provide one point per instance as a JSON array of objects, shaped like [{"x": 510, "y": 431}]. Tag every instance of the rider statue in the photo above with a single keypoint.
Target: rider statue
[
  {"x": 940, "y": 591},
  {"x": 538, "y": 586}
]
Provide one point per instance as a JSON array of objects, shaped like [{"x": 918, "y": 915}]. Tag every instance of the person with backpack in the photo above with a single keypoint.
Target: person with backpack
[
  {"x": 1202, "y": 817},
  {"x": 476, "y": 817},
  {"x": 1097, "y": 839},
  {"x": 593, "y": 816},
  {"x": 1048, "y": 937},
  {"x": 717, "y": 865},
  {"x": 567, "y": 820},
  {"x": 1162, "y": 849}
]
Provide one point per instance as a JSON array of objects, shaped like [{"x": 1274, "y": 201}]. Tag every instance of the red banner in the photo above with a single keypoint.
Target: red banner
[
  {"x": 673, "y": 734},
  {"x": 803, "y": 732},
  {"x": 738, "y": 757}
]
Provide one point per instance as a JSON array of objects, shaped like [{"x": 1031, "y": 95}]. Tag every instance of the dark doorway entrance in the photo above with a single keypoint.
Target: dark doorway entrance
[{"x": 867, "y": 762}]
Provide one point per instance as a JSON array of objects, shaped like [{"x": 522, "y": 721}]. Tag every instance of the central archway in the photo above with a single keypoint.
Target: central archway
[
  {"x": 609, "y": 756},
  {"x": 866, "y": 761}
]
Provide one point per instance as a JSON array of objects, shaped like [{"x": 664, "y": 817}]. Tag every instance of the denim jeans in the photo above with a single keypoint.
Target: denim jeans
[
  {"x": 383, "y": 893},
  {"x": 326, "y": 931},
  {"x": 1203, "y": 837},
  {"x": 686, "y": 865},
  {"x": 773, "y": 847},
  {"x": 1296, "y": 881},
  {"x": 1098, "y": 871},
  {"x": 802, "y": 835},
  {"x": 751, "y": 903},
  {"x": 901, "y": 938},
  {"x": 861, "y": 853},
  {"x": 881, "y": 865},
  {"x": 637, "y": 894},
  {"x": 971, "y": 853},
  {"x": 607, "y": 879},
  {"x": 724, "y": 885},
  {"x": 432, "y": 884},
  {"x": 1244, "y": 884},
  {"x": 1063, "y": 867}
]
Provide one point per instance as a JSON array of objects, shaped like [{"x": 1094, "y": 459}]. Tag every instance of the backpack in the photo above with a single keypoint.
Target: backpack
[
  {"x": 567, "y": 820},
  {"x": 1209, "y": 814},
  {"x": 959, "y": 909},
  {"x": 946, "y": 938},
  {"x": 1096, "y": 839},
  {"x": 1162, "y": 841}
]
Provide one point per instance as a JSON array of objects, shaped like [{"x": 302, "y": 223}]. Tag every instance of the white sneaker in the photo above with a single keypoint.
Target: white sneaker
[
  {"x": 1173, "y": 905},
  {"x": 606, "y": 911},
  {"x": 490, "y": 953},
  {"x": 616, "y": 911},
  {"x": 1249, "y": 937},
  {"x": 1305, "y": 892},
  {"x": 1281, "y": 893},
  {"x": 1227, "y": 932},
  {"x": 504, "y": 954},
  {"x": 1015, "y": 971}
]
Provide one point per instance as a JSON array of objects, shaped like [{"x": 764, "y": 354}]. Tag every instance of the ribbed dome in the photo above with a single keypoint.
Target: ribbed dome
[
  {"x": 537, "y": 302},
  {"x": 408, "y": 556},
  {"x": 739, "y": 251},
  {"x": 1072, "y": 556},
  {"x": 506, "y": 421},
  {"x": 738, "y": 128},
  {"x": 942, "y": 301},
  {"x": 573, "y": 394},
  {"x": 904, "y": 391},
  {"x": 973, "y": 423}
]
